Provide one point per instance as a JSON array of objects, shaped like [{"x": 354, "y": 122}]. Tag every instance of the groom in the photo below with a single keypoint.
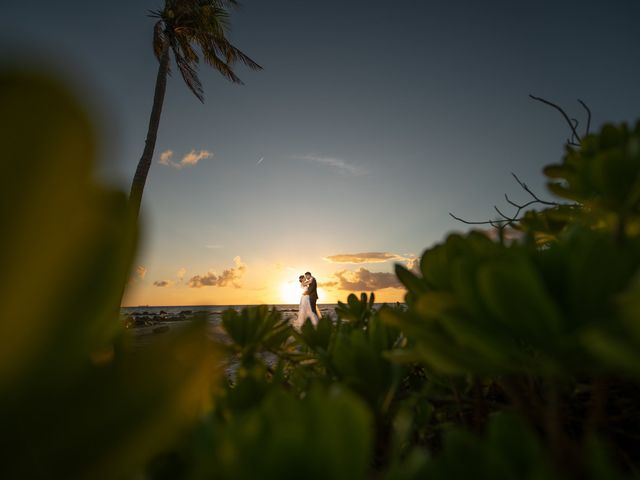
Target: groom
[{"x": 312, "y": 290}]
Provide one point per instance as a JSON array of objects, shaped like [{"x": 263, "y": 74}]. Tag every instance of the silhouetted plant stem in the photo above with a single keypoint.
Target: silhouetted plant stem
[
  {"x": 562, "y": 449},
  {"x": 597, "y": 405},
  {"x": 142, "y": 170},
  {"x": 456, "y": 395},
  {"x": 512, "y": 391},
  {"x": 552, "y": 417},
  {"x": 480, "y": 407}
]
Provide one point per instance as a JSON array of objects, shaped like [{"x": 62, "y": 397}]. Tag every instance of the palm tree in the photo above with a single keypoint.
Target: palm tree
[{"x": 187, "y": 29}]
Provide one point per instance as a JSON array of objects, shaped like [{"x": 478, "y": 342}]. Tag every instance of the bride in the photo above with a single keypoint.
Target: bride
[{"x": 305, "y": 311}]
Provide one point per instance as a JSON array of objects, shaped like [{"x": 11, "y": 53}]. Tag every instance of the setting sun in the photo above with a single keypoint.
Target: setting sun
[{"x": 290, "y": 292}]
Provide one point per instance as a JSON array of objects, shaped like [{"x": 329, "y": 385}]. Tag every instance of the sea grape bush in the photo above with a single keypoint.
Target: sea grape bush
[
  {"x": 508, "y": 360},
  {"x": 520, "y": 358}
]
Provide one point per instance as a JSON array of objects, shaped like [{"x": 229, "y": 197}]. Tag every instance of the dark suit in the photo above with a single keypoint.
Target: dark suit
[{"x": 312, "y": 291}]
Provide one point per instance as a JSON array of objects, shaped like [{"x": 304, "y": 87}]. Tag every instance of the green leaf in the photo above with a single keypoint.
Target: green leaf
[
  {"x": 515, "y": 294},
  {"x": 409, "y": 280},
  {"x": 68, "y": 382}
]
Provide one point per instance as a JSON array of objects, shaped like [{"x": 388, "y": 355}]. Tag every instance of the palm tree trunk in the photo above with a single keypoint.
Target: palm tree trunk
[{"x": 140, "y": 177}]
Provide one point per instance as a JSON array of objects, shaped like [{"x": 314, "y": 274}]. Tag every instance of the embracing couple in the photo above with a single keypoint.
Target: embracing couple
[{"x": 308, "y": 300}]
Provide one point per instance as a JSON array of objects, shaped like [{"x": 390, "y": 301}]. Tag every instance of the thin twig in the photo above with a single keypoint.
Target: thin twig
[
  {"x": 588, "y": 116},
  {"x": 509, "y": 201},
  {"x": 574, "y": 141},
  {"x": 487, "y": 222},
  {"x": 528, "y": 190},
  {"x": 502, "y": 214},
  {"x": 506, "y": 220},
  {"x": 564, "y": 114}
]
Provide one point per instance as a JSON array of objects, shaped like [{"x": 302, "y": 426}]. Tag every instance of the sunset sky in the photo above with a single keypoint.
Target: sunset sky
[{"x": 370, "y": 122}]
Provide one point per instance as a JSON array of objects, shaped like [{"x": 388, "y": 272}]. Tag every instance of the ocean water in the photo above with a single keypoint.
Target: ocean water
[
  {"x": 179, "y": 313},
  {"x": 149, "y": 323}
]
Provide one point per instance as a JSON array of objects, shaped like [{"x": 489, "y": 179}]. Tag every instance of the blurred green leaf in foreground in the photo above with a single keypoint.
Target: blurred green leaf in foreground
[{"x": 75, "y": 400}]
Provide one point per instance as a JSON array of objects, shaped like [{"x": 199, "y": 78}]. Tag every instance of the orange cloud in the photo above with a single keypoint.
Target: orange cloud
[
  {"x": 191, "y": 158},
  {"x": 165, "y": 158},
  {"x": 231, "y": 276},
  {"x": 363, "y": 280},
  {"x": 366, "y": 257}
]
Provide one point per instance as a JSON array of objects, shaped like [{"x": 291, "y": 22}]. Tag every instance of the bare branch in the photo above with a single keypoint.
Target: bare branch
[
  {"x": 564, "y": 114},
  {"x": 575, "y": 122},
  {"x": 488, "y": 222},
  {"x": 588, "y": 116},
  {"x": 506, "y": 220},
  {"x": 574, "y": 141},
  {"x": 509, "y": 219},
  {"x": 506, "y": 197},
  {"x": 524, "y": 205},
  {"x": 528, "y": 190}
]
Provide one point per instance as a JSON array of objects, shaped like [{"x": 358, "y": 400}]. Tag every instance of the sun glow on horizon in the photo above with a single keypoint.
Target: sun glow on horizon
[{"x": 290, "y": 292}]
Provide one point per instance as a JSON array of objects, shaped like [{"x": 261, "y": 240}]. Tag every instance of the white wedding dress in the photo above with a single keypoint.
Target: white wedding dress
[{"x": 304, "y": 311}]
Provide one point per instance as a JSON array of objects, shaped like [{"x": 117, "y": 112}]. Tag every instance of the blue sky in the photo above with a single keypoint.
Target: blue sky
[{"x": 374, "y": 120}]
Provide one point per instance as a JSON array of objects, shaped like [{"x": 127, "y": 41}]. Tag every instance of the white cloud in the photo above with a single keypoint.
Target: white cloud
[
  {"x": 191, "y": 158},
  {"x": 337, "y": 164},
  {"x": 162, "y": 283}
]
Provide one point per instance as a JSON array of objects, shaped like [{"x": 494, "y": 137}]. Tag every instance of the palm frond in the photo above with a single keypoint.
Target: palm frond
[
  {"x": 223, "y": 48},
  {"x": 229, "y": 3},
  {"x": 216, "y": 62},
  {"x": 245, "y": 59},
  {"x": 188, "y": 70},
  {"x": 187, "y": 50},
  {"x": 213, "y": 19},
  {"x": 195, "y": 26}
]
